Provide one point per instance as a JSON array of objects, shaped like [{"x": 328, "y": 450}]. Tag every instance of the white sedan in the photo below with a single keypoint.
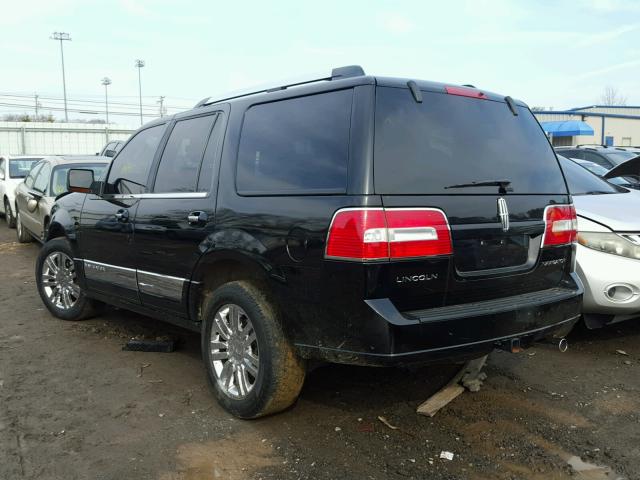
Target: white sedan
[
  {"x": 13, "y": 171},
  {"x": 608, "y": 250}
]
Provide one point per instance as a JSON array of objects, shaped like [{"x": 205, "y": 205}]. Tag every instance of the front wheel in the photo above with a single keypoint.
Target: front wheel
[
  {"x": 8, "y": 214},
  {"x": 21, "y": 232},
  {"x": 58, "y": 285},
  {"x": 251, "y": 365}
]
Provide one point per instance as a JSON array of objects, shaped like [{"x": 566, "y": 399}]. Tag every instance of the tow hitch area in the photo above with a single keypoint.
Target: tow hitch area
[{"x": 512, "y": 345}]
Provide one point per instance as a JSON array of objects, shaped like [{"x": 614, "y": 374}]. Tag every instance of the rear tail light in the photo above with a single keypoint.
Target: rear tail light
[
  {"x": 561, "y": 225},
  {"x": 365, "y": 234}
]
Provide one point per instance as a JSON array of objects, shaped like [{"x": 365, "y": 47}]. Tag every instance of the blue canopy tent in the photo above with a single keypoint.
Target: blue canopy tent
[{"x": 567, "y": 128}]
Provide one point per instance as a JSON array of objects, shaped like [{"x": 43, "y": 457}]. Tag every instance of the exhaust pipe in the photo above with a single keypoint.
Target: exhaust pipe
[{"x": 563, "y": 345}]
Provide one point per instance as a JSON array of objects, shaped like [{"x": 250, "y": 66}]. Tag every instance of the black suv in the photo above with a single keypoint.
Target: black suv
[{"x": 353, "y": 219}]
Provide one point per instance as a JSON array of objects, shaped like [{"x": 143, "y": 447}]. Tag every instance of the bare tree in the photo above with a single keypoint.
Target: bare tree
[{"x": 612, "y": 97}]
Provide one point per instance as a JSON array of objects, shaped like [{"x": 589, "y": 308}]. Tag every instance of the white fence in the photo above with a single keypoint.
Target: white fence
[{"x": 41, "y": 138}]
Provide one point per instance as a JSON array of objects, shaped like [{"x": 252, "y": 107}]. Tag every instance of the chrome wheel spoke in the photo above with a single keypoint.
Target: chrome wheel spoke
[
  {"x": 251, "y": 363},
  {"x": 223, "y": 328},
  {"x": 219, "y": 355},
  {"x": 226, "y": 374},
  {"x": 241, "y": 380},
  {"x": 51, "y": 263}
]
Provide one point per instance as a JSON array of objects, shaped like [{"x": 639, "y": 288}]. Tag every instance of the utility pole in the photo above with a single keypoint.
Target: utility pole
[
  {"x": 139, "y": 65},
  {"x": 161, "y": 102},
  {"x": 62, "y": 36},
  {"x": 37, "y": 105},
  {"x": 106, "y": 81}
]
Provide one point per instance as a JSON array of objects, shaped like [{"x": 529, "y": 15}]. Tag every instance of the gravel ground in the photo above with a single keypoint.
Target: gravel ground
[{"x": 74, "y": 405}]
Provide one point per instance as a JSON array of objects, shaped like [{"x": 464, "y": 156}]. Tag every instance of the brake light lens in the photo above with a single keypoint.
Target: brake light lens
[
  {"x": 466, "y": 92},
  {"x": 561, "y": 225},
  {"x": 366, "y": 234}
]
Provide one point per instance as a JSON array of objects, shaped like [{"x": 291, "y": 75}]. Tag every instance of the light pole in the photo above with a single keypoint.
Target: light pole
[
  {"x": 62, "y": 36},
  {"x": 139, "y": 65},
  {"x": 106, "y": 81}
]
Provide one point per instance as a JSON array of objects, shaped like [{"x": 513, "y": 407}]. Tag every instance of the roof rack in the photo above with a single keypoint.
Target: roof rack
[
  {"x": 592, "y": 145},
  {"x": 336, "y": 74}
]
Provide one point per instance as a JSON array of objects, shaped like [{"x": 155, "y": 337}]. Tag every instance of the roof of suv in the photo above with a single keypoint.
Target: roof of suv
[
  {"x": 342, "y": 77},
  {"x": 70, "y": 159},
  {"x": 595, "y": 148}
]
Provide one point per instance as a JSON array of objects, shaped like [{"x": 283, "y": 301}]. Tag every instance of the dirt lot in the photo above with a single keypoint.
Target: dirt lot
[{"x": 73, "y": 405}]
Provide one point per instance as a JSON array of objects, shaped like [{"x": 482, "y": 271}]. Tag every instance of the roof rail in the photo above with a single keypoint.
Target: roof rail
[
  {"x": 592, "y": 145},
  {"x": 336, "y": 74}
]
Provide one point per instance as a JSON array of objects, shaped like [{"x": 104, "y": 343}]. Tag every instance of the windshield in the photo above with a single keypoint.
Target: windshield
[
  {"x": 583, "y": 182},
  {"x": 592, "y": 167},
  {"x": 422, "y": 148},
  {"x": 20, "y": 167},
  {"x": 619, "y": 157},
  {"x": 59, "y": 177}
]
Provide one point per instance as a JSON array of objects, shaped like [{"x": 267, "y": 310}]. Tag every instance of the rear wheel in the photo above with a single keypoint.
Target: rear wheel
[
  {"x": 58, "y": 284},
  {"x": 8, "y": 214},
  {"x": 251, "y": 365},
  {"x": 21, "y": 232}
]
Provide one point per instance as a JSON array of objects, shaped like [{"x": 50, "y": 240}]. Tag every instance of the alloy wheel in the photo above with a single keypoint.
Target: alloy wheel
[
  {"x": 234, "y": 351},
  {"x": 59, "y": 280}
]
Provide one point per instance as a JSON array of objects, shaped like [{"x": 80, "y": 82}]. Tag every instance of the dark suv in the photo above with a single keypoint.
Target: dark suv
[{"x": 352, "y": 219}]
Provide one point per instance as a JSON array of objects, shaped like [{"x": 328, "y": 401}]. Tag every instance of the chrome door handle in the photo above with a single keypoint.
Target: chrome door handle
[
  {"x": 122, "y": 215},
  {"x": 195, "y": 218}
]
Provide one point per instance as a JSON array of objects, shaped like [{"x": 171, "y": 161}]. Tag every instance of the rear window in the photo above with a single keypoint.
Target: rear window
[
  {"x": 583, "y": 182},
  {"x": 296, "y": 146},
  {"x": 620, "y": 157},
  {"x": 421, "y": 148},
  {"x": 20, "y": 167}
]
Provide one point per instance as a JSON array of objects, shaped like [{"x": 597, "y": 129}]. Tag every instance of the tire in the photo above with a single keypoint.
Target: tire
[
  {"x": 69, "y": 301},
  {"x": 8, "y": 215},
  {"x": 23, "y": 235},
  {"x": 280, "y": 372}
]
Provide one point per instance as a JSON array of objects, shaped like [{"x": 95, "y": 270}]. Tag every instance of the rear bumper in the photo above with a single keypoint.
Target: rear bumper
[{"x": 461, "y": 331}]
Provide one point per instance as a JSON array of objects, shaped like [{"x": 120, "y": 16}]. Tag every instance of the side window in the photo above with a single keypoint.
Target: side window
[
  {"x": 42, "y": 178},
  {"x": 130, "y": 169},
  {"x": 298, "y": 146},
  {"x": 32, "y": 174},
  {"x": 595, "y": 158},
  {"x": 572, "y": 154},
  {"x": 182, "y": 157}
]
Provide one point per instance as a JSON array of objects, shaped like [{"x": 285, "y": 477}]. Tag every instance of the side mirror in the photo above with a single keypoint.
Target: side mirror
[
  {"x": 80, "y": 180},
  {"x": 110, "y": 153},
  {"x": 32, "y": 204}
]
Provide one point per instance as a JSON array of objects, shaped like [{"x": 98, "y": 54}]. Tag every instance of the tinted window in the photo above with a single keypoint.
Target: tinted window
[
  {"x": 599, "y": 159},
  {"x": 182, "y": 157},
  {"x": 619, "y": 157},
  {"x": 296, "y": 146},
  {"x": 422, "y": 148},
  {"x": 59, "y": 177},
  {"x": 42, "y": 178},
  {"x": 130, "y": 169},
  {"x": 583, "y": 182},
  {"x": 20, "y": 167}
]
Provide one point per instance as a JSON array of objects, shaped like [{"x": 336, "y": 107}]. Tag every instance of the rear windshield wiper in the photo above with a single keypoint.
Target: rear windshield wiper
[{"x": 502, "y": 184}]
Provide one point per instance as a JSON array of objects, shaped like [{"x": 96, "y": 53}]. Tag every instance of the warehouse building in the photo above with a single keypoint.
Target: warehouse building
[{"x": 595, "y": 124}]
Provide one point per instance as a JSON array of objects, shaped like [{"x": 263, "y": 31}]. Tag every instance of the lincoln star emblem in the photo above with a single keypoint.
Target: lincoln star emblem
[{"x": 503, "y": 214}]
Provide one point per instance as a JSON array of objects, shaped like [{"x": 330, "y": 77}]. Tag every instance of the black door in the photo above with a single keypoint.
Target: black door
[
  {"x": 105, "y": 239},
  {"x": 173, "y": 222}
]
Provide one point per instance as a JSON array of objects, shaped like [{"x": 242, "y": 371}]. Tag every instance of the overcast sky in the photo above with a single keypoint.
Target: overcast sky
[{"x": 557, "y": 54}]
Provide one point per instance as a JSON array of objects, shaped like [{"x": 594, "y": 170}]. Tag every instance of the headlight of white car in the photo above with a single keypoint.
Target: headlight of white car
[{"x": 609, "y": 243}]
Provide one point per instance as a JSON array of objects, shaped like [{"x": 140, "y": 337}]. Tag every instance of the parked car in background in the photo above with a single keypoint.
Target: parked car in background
[
  {"x": 35, "y": 196},
  {"x": 607, "y": 157},
  {"x": 111, "y": 149},
  {"x": 352, "y": 219},
  {"x": 630, "y": 181},
  {"x": 13, "y": 170},
  {"x": 608, "y": 251}
]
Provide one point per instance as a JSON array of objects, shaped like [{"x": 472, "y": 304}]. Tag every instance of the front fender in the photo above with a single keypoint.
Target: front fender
[{"x": 65, "y": 217}]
